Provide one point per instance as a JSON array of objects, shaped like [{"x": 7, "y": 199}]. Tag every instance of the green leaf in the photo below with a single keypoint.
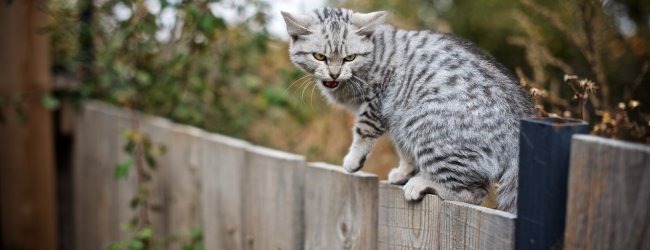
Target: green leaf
[
  {"x": 129, "y": 147},
  {"x": 151, "y": 161},
  {"x": 122, "y": 168},
  {"x": 127, "y": 226},
  {"x": 119, "y": 245},
  {"x": 196, "y": 233},
  {"x": 134, "y": 202},
  {"x": 193, "y": 246},
  {"x": 207, "y": 24},
  {"x": 145, "y": 233},
  {"x": 275, "y": 96},
  {"x": 136, "y": 245},
  {"x": 143, "y": 77},
  {"x": 50, "y": 102}
]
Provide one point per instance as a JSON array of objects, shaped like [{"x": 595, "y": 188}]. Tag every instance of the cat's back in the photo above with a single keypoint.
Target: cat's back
[
  {"x": 440, "y": 87},
  {"x": 425, "y": 68}
]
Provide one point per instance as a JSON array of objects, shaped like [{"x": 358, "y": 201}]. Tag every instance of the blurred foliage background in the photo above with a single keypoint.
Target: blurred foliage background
[{"x": 189, "y": 61}]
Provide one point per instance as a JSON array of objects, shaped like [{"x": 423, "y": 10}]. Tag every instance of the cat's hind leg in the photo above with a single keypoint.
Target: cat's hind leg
[
  {"x": 418, "y": 186},
  {"x": 400, "y": 175},
  {"x": 423, "y": 183},
  {"x": 507, "y": 189},
  {"x": 459, "y": 173}
]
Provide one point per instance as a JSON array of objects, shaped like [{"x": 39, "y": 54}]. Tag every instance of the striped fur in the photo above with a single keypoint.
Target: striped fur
[{"x": 452, "y": 111}]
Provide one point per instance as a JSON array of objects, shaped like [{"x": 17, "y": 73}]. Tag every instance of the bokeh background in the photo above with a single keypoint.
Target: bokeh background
[{"x": 223, "y": 66}]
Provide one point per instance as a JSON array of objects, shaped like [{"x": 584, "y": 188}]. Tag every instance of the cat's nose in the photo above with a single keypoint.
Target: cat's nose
[{"x": 334, "y": 76}]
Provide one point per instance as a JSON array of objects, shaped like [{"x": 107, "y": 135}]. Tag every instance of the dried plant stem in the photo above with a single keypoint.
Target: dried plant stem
[
  {"x": 585, "y": 36},
  {"x": 583, "y": 109},
  {"x": 138, "y": 155},
  {"x": 588, "y": 17},
  {"x": 629, "y": 92}
]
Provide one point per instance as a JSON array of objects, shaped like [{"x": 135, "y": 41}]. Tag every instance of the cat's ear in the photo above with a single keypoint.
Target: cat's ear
[
  {"x": 367, "y": 22},
  {"x": 297, "y": 24}
]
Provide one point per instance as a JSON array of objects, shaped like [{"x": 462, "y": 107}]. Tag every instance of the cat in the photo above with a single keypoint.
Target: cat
[{"x": 451, "y": 110}]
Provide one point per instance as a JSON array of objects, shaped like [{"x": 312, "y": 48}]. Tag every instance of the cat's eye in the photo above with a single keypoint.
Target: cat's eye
[
  {"x": 319, "y": 56},
  {"x": 349, "y": 58}
]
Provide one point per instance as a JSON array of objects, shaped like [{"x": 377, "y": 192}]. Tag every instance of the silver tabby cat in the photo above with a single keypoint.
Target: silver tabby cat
[{"x": 452, "y": 111}]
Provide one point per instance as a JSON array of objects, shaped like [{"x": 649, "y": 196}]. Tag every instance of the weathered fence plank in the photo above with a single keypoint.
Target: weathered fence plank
[
  {"x": 609, "y": 195},
  {"x": 102, "y": 202},
  {"x": 407, "y": 225},
  {"x": 223, "y": 161},
  {"x": 273, "y": 206},
  {"x": 176, "y": 190},
  {"x": 97, "y": 150},
  {"x": 340, "y": 208},
  {"x": 466, "y": 226},
  {"x": 249, "y": 197}
]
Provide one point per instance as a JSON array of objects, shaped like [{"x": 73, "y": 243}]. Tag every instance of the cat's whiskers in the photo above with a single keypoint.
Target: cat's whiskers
[
  {"x": 304, "y": 87},
  {"x": 303, "y": 82},
  {"x": 354, "y": 89},
  {"x": 356, "y": 84},
  {"x": 311, "y": 98},
  {"x": 294, "y": 82},
  {"x": 359, "y": 81}
]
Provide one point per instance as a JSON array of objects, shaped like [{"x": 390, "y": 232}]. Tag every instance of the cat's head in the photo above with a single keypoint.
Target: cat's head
[{"x": 333, "y": 45}]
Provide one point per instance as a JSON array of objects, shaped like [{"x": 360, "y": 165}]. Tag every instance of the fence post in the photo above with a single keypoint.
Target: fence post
[
  {"x": 27, "y": 161},
  {"x": 609, "y": 195},
  {"x": 543, "y": 170}
]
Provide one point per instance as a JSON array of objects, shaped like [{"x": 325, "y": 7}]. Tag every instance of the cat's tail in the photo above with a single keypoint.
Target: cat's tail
[{"x": 507, "y": 189}]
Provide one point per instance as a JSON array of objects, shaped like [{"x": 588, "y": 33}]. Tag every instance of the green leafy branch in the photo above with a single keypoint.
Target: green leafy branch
[
  {"x": 16, "y": 103},
  {"x": 142, "y": 154}
]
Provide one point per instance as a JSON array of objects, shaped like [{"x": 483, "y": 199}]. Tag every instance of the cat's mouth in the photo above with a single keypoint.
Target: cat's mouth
[{"x": 330, "y": 84}]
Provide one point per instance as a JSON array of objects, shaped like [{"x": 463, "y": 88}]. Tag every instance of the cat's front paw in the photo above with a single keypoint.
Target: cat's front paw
[
  {"x": 399, "y": 176},
  {"x": 417, "y": 187},
  {"x": 352, "y": 162}
]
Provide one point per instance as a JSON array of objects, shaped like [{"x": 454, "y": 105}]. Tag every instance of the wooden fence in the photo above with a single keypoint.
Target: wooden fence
[
  {"x": 249, "y": 197},
  {"x": 609, "y": 190}
]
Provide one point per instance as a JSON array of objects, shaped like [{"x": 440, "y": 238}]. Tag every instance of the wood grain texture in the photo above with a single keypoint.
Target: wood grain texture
[
  {"x": 273, "y": 200},
  {"x": 176, "y": 187},
  {"x": 340, "y": 208},
  {"x": 97, "y": 147},
  {"x": 102, "y": 202},
  {"x": 223, "y": 161},
  {"x": 404, "y": 224},
  {"x": 249, "y": 197},
  {"x": 28, "y": 214},
  {"x": 609, "y": 195},
  {"x": 466, "y": 226}
]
